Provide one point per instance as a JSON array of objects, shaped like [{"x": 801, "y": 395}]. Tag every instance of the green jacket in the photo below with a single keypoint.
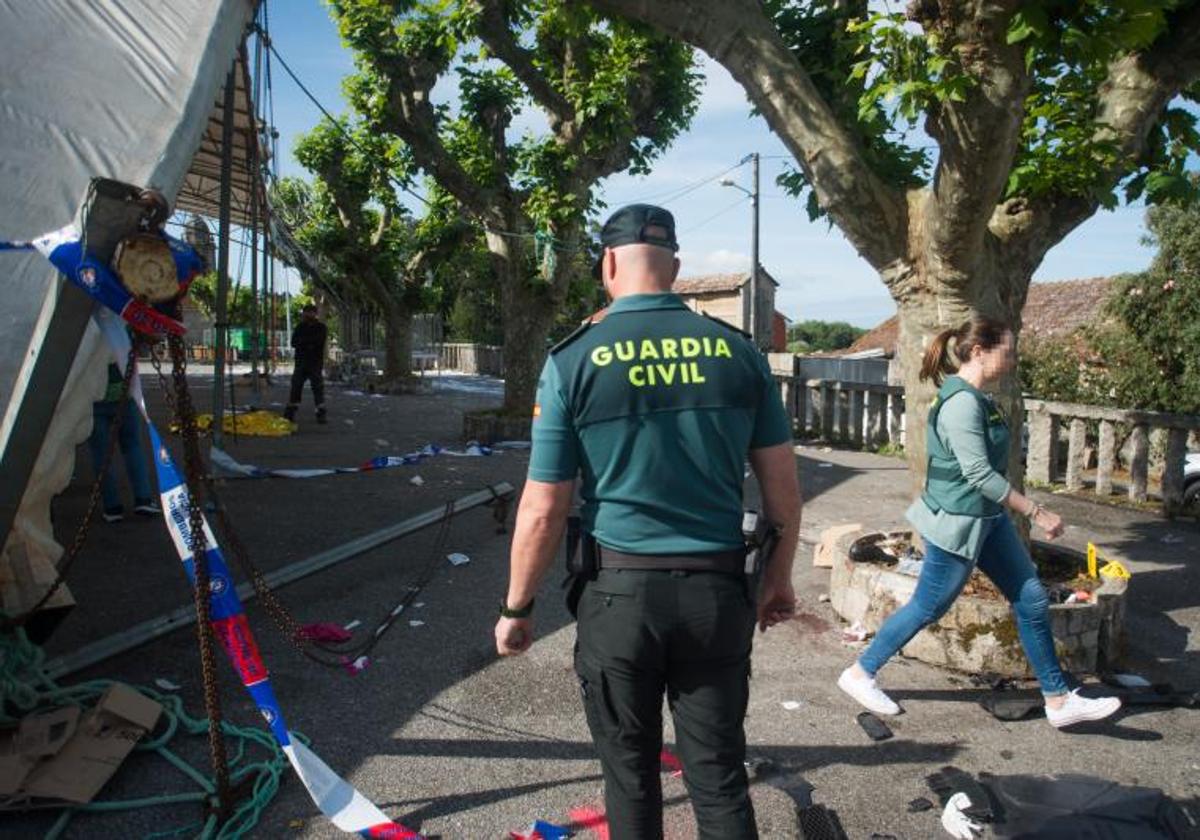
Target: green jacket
[{"x": 967, "y": 441}]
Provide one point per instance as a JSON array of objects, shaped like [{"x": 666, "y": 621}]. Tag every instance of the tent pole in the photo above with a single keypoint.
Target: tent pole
[
  {"x": 223, "y": 240},
  {"x": 253, "y": 268}
]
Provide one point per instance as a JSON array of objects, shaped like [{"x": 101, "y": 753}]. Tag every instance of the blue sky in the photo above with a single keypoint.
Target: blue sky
[{"x": 819, "y": 273}]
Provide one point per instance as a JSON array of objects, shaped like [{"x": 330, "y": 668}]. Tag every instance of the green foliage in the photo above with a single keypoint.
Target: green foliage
[
  {"x": 882, "y": 73},
  {"x": 629, "y": 92},
  {"x": 821, "y": 336},
  {"x": 239, "y": 305},
  {"x": 1148, "y": 355},
  {"x": 868, "y": 91}
]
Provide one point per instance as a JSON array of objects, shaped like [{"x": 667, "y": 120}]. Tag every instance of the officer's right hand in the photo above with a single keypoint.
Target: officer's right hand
[
  {"x": 513, "y": 635},
  {"x": 777, "y": 603}
]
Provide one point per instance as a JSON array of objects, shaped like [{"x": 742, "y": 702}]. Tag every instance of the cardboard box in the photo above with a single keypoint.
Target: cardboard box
[
  {"x": 823, "y": 550},
  {"x": 66, "y": 757}
]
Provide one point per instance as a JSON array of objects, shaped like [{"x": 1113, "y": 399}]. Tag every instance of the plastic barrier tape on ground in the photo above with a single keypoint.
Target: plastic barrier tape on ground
[
  {"x": 224, "y": 465},
  {"x": 336, "y": 798}
]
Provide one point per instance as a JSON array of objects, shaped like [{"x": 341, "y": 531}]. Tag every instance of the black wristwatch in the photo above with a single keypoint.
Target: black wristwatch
[{"x": 524, "y": 612}]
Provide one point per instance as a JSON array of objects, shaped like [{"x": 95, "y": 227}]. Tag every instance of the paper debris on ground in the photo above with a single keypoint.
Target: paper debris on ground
[
  {"x": 68, "y": 755},
  {"x": 823, "y": 551},
  {"x": 856, "y": 632},
  {"x": 167, "y": 685},
  {"x": 417, "y": 480},
  {"x": 791, "y": 705},
  {"x": 823, "y": 597},
  {"x": 381, "y": 443},
  {"x": 416, "y": 622},
  {"x": 457, "y": 559}
]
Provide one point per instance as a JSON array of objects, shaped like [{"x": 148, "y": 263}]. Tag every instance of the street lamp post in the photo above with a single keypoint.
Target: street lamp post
[{"x": 729, "y": 182}]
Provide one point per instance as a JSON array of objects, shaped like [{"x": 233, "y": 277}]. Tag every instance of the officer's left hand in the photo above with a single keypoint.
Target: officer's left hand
[
  {"x": 777, "y": 603},
  {"x": 513, "y": 635}
]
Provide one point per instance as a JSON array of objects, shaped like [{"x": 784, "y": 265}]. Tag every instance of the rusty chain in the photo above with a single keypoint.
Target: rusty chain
[{"x": 81, "y": 533}]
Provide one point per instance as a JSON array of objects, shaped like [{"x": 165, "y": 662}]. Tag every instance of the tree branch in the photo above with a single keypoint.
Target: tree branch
[
  {"x": 736, "y": 33},
  {"x": 977, "y": 137},
  {"x": 410, "y": 115},
  {"x": 1132, "y": 100},
  {"x": 495, "y": 33}
]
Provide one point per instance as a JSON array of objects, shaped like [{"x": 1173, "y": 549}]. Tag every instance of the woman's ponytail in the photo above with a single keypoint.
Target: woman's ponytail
[{"x": 950, "y": 348}]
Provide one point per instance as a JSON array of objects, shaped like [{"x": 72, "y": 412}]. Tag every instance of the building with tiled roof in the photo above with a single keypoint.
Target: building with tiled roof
[
  {"x": 1051, "y": 309},
  {"x": 726, "y": 296}
]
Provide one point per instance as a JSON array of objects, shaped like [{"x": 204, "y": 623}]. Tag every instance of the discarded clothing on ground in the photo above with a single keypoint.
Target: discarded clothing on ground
[{"x": 1075, "y": 807}]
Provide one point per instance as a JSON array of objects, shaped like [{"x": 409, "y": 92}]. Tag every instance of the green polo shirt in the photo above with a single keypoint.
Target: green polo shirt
[{"x": 655, "y": 409}]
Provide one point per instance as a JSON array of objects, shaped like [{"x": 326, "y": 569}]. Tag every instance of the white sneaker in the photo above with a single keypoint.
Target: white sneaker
[
  {"x": 867, "y": 693},
  {"x": 1078, "y": 709}
]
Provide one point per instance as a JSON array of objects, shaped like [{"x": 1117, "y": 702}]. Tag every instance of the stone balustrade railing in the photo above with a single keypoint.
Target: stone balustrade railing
[
  {"x": 873, "y": 415},
  {"x": 851, "y": 412},
  {"x": 1046, "y": 420},
  {"x": 482, "y": 359}
]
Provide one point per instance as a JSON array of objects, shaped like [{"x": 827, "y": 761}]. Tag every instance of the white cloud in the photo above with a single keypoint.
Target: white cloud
[{"x": 720, "y": 261}]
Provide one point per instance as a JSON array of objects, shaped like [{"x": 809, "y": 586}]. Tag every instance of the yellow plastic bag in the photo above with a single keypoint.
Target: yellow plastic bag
[{"x": 255, "y": 423}]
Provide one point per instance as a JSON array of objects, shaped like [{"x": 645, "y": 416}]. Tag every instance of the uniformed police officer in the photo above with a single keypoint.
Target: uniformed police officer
[{"x": 655, "y": 408}]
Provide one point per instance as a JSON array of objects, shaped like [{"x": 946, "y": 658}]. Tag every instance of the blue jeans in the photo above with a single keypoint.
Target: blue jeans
[
  {"x": 1004, "y": 559},
  {"x": 104, "y": 414}
]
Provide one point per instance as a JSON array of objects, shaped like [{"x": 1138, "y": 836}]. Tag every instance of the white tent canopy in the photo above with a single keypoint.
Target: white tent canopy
[{"x": 122, "y": 89}]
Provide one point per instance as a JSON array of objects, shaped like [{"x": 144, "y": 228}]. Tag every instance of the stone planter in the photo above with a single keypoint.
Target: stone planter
[
  {"x": 488, "y": 428},
  {"x": 978, "y": 634}
]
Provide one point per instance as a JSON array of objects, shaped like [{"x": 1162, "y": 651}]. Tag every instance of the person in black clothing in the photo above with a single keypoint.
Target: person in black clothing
[{"x": 308, "y": 340}]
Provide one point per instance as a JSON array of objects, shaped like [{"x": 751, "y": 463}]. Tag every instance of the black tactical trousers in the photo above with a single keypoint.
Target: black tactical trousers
[
  {"x": 689, "y": 634},
  {"x": 313, "y": 374}
]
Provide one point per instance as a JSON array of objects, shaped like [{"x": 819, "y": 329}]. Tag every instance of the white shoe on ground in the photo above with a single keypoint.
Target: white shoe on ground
[
  {"x": 1078, "y": 709},
  {"x": 867, "y": 693}
]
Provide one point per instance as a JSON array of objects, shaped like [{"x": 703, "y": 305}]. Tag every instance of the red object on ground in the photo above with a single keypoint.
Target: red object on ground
[
  {"x": 586, "y": 818},
  {"x": 670, "y": 763},
  {"x": 324, "y": 631}
]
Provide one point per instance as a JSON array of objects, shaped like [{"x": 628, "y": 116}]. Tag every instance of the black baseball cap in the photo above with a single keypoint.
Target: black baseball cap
[{"x": 634, "y": 224}]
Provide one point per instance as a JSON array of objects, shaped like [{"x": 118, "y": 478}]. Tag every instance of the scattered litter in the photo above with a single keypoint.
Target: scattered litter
[
  {"x": 417, "y": 480},
  {"x": 951, "y": 781},
  {"x": 876, "y": 729},
  {"x": 418, "y": 605},
  {"x": 356, "y": 667},
  {"x": 457, "y": 559},
  {"x": 856, "y": 632},
  {"x": 919, "y": 804},
  {"x": 791, "y": 705},
  {"x": 1127, "y": 680},
  {"x": 381, "y": 443},
  {"x": 167, "y": 685},
  {"x": 1012, "y": 706},
  {"x": 910, "y": 566},
  {"x": 1171, "y": 539},
  {"x": 823, "y": 597},
  {"x": 824, "y": 464},
  {"x": 416, "y": 622},
  {"x": 759, "y": 767},
  {"x": 353, "y": 624},
  {"x": 669, "y": 763},
  {"x": 542, "y": 830},
  {"x": 956, "y": 822},
  {"x": 324, "y": 631}
]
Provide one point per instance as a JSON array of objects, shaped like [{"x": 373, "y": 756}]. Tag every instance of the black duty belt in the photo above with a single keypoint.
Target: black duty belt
[{"x": 732, "y": 562}]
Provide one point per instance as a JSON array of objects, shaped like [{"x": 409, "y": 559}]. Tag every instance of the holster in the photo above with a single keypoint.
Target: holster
[
  {"x": 761, "y": 537},
  {"x": 581, "y": 562}
]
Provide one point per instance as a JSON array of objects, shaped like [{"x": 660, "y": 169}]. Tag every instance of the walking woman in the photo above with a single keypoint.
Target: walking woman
[{"x": 962, "y": 518}]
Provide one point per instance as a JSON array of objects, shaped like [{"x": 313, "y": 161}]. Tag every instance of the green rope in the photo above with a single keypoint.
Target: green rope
[{"x": 25, "y": 687}]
